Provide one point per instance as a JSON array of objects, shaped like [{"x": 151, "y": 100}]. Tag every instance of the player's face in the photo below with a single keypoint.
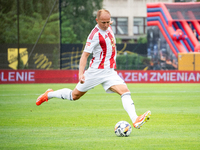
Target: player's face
[{"x": 103, "y": 21}]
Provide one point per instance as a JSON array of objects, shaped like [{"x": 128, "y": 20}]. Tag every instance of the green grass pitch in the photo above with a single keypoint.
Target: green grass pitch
[{"x": 88, "y": 124}]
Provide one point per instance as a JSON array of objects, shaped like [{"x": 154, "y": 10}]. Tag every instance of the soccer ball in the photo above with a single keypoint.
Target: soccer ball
[{"x": 123, "y": 128}]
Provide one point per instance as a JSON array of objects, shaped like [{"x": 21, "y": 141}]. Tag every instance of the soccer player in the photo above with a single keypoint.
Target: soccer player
[{"x": 101, "y": 43}]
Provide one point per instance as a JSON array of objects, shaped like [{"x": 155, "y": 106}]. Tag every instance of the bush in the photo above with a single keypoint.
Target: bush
[{"x": 131, "y": 62}]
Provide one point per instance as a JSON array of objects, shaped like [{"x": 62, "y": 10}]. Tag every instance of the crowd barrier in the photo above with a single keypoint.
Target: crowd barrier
[{"x": 71, "y": 76}]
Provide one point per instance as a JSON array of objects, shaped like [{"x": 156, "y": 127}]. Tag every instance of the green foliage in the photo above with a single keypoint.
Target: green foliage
[
  {"x": 118, "y": 40},
  {"x": 77, "y": 21},
  {"x": 142, "y": 40},
  {"x": 79, "y": 17},
  {"x": 33, "y": 15},
  {"x": 8, "y": 30},
  {"x": 131, "y": 62},
  {"x": 132, "y": 41},
  {"x": 67, "y": 33}
]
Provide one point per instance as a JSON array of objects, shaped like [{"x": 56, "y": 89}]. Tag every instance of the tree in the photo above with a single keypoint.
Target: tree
[
  {"x": 33, "y": 15},
  {"x": 142, "y": 40},
  {"x": 7, "y": 15},
  {"x": 77, "y": 19},
  {"x": 80, "y": 17}
]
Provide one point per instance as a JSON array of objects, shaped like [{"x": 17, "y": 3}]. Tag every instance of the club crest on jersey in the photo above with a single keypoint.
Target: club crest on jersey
[
  {"x": 88, "y": 44},
  {"x": 112, "y": 42}
]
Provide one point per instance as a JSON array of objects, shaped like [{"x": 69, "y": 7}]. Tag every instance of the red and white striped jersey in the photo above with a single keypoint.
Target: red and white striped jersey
[{"x": 102, "y": 45}]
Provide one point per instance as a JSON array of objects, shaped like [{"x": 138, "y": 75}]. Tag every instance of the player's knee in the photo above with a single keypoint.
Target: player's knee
[
  {"x": 76, "y": 97},
  {"x": 77, "y": 94}
]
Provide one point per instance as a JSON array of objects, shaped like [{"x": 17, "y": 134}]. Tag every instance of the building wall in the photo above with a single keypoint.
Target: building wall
[{"x": 130, "y": 9}]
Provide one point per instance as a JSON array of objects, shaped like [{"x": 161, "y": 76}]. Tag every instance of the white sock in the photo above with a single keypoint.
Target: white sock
[
  {"x": 62, "y": 93},
  {"x": 129, "y": 106}
]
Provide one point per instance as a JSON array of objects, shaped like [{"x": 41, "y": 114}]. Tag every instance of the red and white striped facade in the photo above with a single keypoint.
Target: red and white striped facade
[{"x": 102, "y": 45}]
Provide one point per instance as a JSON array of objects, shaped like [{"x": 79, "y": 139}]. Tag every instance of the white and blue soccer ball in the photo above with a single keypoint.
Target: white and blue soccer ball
[{"x": 123, "y": 128}]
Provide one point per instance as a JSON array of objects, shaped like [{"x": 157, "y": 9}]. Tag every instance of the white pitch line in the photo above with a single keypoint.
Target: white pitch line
[
  {"x": 17, "y": 94},
  {"x": 103, "y": 92}
]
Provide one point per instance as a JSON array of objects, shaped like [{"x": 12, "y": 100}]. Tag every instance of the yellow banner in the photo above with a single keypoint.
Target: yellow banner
[{"x": 13, "y": 57}]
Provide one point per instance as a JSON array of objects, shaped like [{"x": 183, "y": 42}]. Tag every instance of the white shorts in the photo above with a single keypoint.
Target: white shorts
[{"x": 105, "y": 77}]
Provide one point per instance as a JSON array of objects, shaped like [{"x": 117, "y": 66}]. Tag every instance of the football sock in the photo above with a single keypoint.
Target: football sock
[
  {"x": 62, "y": 93},
  {"x": 129, "y": 106}
]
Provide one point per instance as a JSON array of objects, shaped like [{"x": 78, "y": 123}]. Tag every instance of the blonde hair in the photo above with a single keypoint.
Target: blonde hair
[{"x": 100, "y": 11}]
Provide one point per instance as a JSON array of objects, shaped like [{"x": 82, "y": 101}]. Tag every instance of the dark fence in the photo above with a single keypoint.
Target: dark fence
[
  {"x": 44, "y": 56},
  {"x": 49, "y": 56},
  {"x": 127, "y": 56}
]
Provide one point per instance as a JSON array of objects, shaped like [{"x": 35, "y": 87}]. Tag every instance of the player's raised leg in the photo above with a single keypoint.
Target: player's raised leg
[
  {"x": 62, "y": 93},
  {"x": 44, "y": 97}
]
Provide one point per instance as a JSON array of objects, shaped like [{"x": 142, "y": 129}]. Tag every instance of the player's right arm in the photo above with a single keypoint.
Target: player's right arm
[
  {"x": 92, "y": 42},
  {"x": 82, "y": 65}
]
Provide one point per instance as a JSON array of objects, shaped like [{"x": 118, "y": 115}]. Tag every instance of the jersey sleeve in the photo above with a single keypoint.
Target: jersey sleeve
[{"x": 91, "y": 43}]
